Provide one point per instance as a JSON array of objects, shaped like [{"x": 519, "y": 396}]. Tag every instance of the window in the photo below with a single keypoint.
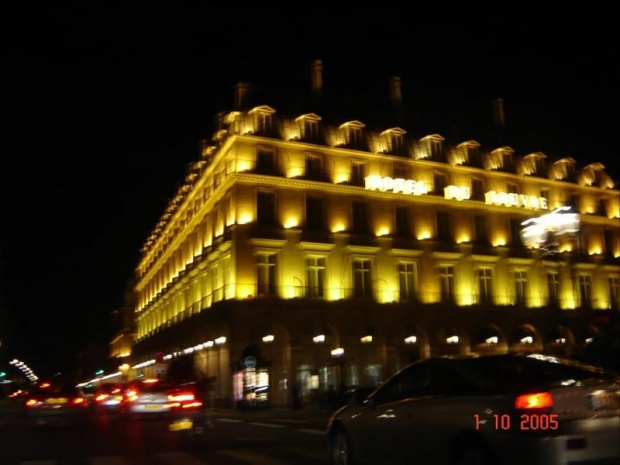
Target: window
[
  {"x": 315, "y": 276},
  {"x": 266, "y": 208},
  {"x": 439, "y": 183},
  {"x": 407, "y": 278},
  {"x": 354, "y": 137},
  {"x": 314, "y": 167},
  {"x": 485, "y": 285},
  {"x": 540, "y": 166},
  {"x": 266, "y": 274},
  {"x": 473, "y": 155},
  {"x": 585, "y": 290},
  {"x": 544, "y": 193},
  {"x": 610, "y": 239},
  {"x": 553, "y": 287},
  {"x": 362, "y": 279},
  {"x": 265, "y": 161},
  {"x": 435, "y": 150},
  {"x": 310, "y": 129},
  {"x": 359, "y": 213},
  {"x": 520, "y": 287},
  {"x": 264, "y": 123},
  {"x": 358, "y": 173},
  {"x": 315, "y": 218},
  {"x": 481, "y": 230},
  {"x": 402, "y": 221},
  {"x": 446, "y": 283},
  {"x": 515, "y": 232},
  {"x": 614, "y": 291},
  {"x": 400, "y": 171},
  {"x": 443, "y": 225},
  {"x": 397, "y": 145},
  {"x": 601, "y": 208},
  {"x": 512, "y": 188},
  {"x": 477, "y": 189}
]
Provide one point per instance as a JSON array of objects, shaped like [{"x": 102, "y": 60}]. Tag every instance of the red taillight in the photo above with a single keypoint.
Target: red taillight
[
  {"x": 181, "y": 397},
  {"x": 534, "y": 400}
]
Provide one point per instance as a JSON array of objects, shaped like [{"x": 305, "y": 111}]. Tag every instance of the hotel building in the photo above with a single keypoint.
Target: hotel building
[{"x": 305, "y": 253}]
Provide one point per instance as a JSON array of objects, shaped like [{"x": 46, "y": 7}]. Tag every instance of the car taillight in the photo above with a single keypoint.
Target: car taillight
[
  {"x": 31, "y": 402},
  {"x": 101, "y": 397},
  {"x": 79, "y": 401},
  {"x": 534, "y": 400},
  {"x": 181, "y": 397}
]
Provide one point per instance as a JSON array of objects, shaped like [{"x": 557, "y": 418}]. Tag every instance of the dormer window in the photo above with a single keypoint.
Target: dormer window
[
  {"x": 501, "y": 159},
  {"x": 309, "y": 126},
  {"x": 564, "y": 169},
  {"x": 467, "y": 153},
  {"x": 263, "y": 119},
  {"x": 353, "y": 135},
  {"x": 431, "y": 148},
  {"x": 534, "y": 164},
  {"x": 395, "y": 140}
]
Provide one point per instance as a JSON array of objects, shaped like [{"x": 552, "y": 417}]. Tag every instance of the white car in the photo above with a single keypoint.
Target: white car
[{"x": 487, "y": 410}]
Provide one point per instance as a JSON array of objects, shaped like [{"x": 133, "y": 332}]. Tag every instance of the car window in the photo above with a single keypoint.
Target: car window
[
  {"x": 411, "y": 382},
  {"x": 505, "y": 374}
]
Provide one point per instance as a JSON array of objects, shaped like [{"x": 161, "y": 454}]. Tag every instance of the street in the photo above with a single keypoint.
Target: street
[{"x": 234, "y": 438}]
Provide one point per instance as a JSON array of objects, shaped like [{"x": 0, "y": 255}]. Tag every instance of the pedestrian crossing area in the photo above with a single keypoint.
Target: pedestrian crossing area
[{"x": 289, "y": 455}]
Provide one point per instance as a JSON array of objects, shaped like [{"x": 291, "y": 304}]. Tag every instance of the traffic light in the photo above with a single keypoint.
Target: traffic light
[
  {"x": 99, "y": 372},
  {"x": 2, "y": 374}
]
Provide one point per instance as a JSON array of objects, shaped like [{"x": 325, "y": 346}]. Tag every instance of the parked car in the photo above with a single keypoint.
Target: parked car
[
  {"x": 55, "y": 404},
  {"x": 487, "y": 410}
]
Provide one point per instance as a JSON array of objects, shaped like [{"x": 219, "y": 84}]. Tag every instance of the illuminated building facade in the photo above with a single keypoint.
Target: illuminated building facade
[{"x": 318, "y": 254}]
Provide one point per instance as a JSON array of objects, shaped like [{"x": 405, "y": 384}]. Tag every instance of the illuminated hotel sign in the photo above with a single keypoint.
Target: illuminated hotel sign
[
  {"x": 456, "y": 192},
  {"x": 398, "y": 185},
  {"x": 536, "y": 230},
  {"x": 516, "y": 200}
]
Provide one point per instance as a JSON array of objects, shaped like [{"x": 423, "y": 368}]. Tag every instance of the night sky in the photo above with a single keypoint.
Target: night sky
[{"x": 104, "y": 108}]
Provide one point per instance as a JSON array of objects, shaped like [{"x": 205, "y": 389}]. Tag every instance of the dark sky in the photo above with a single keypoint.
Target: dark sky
[{"x": 104, "y": 108}]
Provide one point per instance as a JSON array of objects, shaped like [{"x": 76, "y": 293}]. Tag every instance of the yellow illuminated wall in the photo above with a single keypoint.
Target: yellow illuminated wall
[{"x": 220, "y": 195}]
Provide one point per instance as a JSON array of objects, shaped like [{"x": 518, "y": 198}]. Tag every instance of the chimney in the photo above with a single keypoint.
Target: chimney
[
  {"x": 316, "y": 78},
  {"x": 498, "y": 115},
  {"x": 396, "y": 94},
  {"x": 240, "y": 95}
]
